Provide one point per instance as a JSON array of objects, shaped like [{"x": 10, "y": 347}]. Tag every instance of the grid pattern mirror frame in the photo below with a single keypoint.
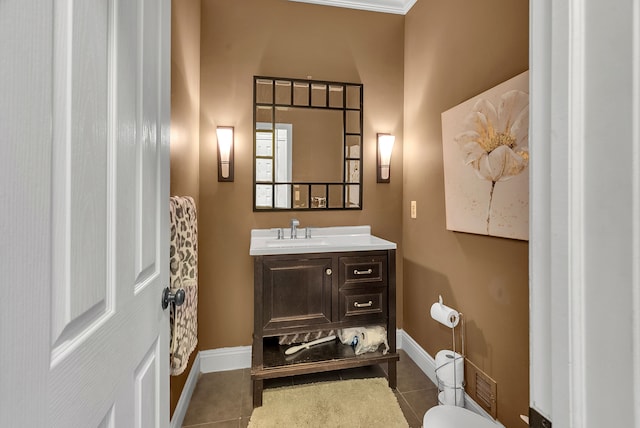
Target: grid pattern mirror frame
[{"x": 307, "y": 144}]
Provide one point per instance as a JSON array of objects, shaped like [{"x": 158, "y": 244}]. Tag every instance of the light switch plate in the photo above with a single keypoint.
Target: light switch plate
[{"x": 414, "y": 209}]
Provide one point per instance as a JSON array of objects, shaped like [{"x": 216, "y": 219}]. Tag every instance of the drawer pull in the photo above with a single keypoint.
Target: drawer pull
[
  {"x": 363, "y": 272},
  {"x": 363, "y": 305}
]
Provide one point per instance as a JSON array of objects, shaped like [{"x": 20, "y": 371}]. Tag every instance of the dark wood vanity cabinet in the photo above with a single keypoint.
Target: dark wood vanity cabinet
[{"x": 300, "y": 293}]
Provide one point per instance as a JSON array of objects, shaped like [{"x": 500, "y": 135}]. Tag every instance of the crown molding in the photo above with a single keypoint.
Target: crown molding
[{"x": 399, "y": 7}]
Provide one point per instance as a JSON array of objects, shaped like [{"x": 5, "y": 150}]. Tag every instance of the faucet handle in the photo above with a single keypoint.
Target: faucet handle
[
  {"x": 294, "y": 228},
  {"x": 307, "y": 232}
]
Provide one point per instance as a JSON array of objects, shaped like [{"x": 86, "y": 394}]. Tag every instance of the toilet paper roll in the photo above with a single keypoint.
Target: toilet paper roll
[
  {"x": 445, "y": 315},
  {"x": 451, "y": 397},
  {"x": 449, "y": 368}
]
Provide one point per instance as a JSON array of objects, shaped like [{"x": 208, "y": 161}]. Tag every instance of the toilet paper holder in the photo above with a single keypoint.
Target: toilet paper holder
[{"x": 451, "y": 318}]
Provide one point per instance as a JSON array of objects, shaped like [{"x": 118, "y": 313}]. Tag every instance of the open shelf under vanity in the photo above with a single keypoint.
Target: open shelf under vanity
[{"x": 324, "y": 357}]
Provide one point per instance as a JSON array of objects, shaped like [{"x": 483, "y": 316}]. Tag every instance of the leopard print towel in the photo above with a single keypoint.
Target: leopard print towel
[{"x": 183, "y": 273}]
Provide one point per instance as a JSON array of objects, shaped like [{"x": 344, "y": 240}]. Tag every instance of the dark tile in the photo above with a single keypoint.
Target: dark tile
[
  {"x": 316, "y": 377},
  {"x": 278, "y": 382},
  {"x": 362, "y": 372},
  {"x": 216, "y": 397},
  {"x": 413, "y": 420},
  {"x": 421, "y": 401},
  {"x": 411, "y": 377},
  {"x": 247, "y": 394},
  {"x": 225, "y": 399}
]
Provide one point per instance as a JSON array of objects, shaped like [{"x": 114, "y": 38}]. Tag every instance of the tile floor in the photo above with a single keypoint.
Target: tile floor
[{"x": 223, "y": 399}]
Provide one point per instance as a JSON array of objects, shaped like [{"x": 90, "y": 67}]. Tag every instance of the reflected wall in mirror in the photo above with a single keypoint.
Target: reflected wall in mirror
[{"x": 307, "y": 144}]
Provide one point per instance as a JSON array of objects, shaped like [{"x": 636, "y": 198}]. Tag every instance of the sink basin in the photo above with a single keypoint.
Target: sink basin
[
  {"x": 284, "y": 243},
  {"x": 323, "y": 240}
]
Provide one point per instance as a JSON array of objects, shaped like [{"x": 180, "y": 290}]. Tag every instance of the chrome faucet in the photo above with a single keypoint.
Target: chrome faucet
[{"x": 294, "y": 228}]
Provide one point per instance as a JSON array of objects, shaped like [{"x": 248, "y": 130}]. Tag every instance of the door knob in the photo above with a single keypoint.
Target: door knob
[{"x": 168, "y": 297}]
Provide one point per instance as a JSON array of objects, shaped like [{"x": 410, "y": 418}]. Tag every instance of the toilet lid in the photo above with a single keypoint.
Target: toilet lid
[{"x": 445, "y": 416}]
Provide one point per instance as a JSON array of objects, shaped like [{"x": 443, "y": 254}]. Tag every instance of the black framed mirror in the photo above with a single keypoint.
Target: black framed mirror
[{"x": 307, "y": 144}]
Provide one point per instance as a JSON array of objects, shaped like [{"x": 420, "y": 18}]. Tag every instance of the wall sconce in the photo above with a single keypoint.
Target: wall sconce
[
  {"x": 225, "y": 153},
  {"x": 384, "y": 148}
]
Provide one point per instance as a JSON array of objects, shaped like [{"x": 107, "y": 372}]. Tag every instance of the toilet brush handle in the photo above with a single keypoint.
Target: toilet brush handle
[{"x": 307, "y": 345}]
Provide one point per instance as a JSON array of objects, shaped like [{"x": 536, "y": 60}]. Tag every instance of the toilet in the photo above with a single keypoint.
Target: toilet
[{"x": 446, "y": 416}]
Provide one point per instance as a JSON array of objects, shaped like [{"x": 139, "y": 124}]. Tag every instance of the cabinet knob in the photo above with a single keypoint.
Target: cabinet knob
[{"x": 328, "y": 271}]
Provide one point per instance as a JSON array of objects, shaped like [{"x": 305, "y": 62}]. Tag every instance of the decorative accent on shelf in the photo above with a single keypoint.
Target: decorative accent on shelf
[
  {"x": 384, "y": 145},
  {"x": 225, "y": 153}
]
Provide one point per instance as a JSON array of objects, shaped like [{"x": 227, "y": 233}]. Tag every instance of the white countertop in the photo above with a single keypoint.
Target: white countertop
[{"x": 323, "y": 240}]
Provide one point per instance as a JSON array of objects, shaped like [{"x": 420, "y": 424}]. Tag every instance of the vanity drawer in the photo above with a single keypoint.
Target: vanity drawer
[
  {"x": 356, "y": 271},
  {"x": 368, "y": 304}
]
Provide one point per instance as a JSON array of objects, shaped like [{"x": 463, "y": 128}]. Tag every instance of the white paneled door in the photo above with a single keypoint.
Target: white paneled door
[
  {"x": 585, "y": 210},
  {"x": 85, "y": 190}
]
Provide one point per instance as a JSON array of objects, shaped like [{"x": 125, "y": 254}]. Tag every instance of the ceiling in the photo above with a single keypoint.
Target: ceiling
[{"x": 400, "y": 7}]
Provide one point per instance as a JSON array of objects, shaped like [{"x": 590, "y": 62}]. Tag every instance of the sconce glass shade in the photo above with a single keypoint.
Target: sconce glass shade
[
  {"x": 385, "y": 147},
  {"x": 225, "y": 153}
]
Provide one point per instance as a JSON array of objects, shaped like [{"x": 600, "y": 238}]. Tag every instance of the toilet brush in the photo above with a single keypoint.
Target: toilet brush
[{"x": 307, "y": 345}]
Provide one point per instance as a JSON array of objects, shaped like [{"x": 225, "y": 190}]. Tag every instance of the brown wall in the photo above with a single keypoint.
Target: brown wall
[
  {"x": 185, "y": 122},
  {"x": 455, "y": 50},
  {"x": 413, "y": 68},
  {"x": 243, "y": 38}
]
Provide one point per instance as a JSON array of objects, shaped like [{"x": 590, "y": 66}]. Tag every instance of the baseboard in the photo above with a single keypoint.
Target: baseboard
[
  {"x": 187, "y": 391},
  {"x": 223, "y": 359},
  {"x": 428, "y": 365},
  {"x": 419, "y": 356}
]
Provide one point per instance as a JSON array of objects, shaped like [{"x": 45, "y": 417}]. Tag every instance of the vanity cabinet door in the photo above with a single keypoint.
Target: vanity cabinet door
[{"x": 297, "y": 292}]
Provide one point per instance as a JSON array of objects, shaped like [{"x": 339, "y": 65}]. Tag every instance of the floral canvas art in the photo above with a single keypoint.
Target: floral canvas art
[{"x": 486, "y": 159}]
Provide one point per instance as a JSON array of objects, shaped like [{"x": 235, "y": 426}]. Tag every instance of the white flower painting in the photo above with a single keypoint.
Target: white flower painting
[{"x": 486, "y": 159}]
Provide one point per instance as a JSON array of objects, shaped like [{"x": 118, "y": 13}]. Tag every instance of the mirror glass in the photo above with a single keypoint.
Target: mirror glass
[{"x": 307, "y": 144}]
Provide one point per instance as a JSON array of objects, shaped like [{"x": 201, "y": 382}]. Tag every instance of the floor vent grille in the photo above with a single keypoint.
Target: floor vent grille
[{"x": 482, "y": 389}]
